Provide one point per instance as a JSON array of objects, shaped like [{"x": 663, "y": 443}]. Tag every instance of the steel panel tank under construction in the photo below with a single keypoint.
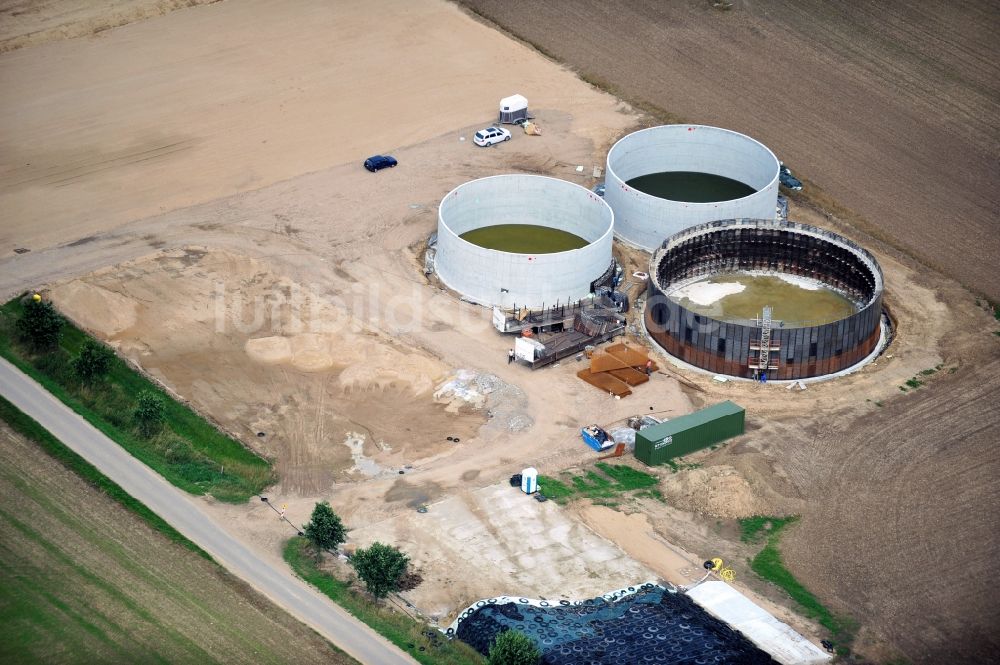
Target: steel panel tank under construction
[
  {"x": 790, "y": 349},
  {"x": 643, "y": 219},
  {"x": 524, "y": 210}
]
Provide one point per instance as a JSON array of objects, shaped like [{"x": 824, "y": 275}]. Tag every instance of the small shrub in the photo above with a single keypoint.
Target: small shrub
[
  {"x": 513, "y": 647},
  {"x": 176, "y": 450},
  {"x": 93, "y": 362},
  {"x": 149, "y": 413}
]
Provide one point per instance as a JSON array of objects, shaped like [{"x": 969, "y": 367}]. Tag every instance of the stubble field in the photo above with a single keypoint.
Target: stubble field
[{"x": 85, "y": 581}]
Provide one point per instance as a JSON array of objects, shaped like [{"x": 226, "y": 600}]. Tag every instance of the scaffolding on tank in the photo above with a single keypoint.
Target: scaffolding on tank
[{"x": 763, "y": 345}]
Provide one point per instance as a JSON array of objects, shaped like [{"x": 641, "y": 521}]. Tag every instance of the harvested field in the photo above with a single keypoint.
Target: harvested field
[
  {"x": 894, "y": 110},
  {"x": 891, "y": 486},
  {"x": 912, "y": 557},
  {"x": 85, "y": 581}
]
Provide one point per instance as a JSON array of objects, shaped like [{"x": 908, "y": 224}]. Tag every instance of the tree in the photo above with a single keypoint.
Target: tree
[
  {"x": 93, "y": 362},
  {"x": 512, "y": 647},
  {"x": 149, "y": 412},
  {"x": 380, "y": 567},
  {"x": 40, "y": 326},
  {"x": 325, "y": 530}
]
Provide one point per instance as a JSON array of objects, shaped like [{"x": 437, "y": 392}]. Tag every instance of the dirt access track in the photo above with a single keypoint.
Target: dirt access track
[{"x": 199, "y": 203}]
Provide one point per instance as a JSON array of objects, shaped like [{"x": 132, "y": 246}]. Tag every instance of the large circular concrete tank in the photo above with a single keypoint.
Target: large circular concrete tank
[
  {"x": 797, "y": 349},
  {"x": 494, "y": 277},
  {"x": 644, "y": 220}
]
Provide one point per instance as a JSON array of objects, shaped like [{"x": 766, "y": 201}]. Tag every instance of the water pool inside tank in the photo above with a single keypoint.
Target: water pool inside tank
[
  {"x": 524, "y": 239},
  {"x": 690, "y": 186},
  {"x": 738, "y": 296}
]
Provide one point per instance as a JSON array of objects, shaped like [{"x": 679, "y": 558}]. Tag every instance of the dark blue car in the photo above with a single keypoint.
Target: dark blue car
[{"x": 379, "y": 162}]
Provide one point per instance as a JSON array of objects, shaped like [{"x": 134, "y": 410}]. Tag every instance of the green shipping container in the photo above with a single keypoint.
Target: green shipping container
[{"x": 681, "y": 436}]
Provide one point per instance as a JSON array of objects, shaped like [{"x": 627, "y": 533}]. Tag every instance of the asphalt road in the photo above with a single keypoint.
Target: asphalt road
[{"x": 184, "y": 514}]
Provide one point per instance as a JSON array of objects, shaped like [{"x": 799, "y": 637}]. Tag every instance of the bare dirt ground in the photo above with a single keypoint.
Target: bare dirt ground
[
  {"x": 85, "y": 580},
  {"x": 893, "y": 109},
  {"x": 230, "y": 97},
  {"x": 280, "y": 291},
  {"x": 26, "y": 23}
]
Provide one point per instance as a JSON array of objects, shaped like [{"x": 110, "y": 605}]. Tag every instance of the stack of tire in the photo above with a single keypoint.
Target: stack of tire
[{"x": 650, "y": 626}]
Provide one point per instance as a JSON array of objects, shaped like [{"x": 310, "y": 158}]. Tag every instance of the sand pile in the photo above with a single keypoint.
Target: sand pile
[
  {"x": 719, "y": 491},
  {"x": 95, "y": 308}
]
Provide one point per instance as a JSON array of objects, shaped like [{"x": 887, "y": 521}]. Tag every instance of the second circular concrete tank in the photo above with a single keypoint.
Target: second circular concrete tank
[
  {"x": 531, "y": 277},
  {"x": 644, "y": 220}
]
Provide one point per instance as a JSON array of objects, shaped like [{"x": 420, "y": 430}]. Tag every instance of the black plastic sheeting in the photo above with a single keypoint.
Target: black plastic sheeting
[{"x": 652, "y": 626}]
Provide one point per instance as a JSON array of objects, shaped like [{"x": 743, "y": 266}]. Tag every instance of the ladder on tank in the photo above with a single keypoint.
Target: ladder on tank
[{"x": 763, "y": 346}]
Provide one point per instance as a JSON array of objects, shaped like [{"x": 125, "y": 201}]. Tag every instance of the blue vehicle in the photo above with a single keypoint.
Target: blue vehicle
[{"x": 379, "y": 162}]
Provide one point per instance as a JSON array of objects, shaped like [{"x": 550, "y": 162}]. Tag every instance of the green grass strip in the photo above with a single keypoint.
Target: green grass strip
[
  {"x": 190, "y": 453},
  {"x": 405, "y": 632},
  {"x": 29, "y": 428},
  {"x": 614, "y": 480},
  {"x": 769, "y": 566}
]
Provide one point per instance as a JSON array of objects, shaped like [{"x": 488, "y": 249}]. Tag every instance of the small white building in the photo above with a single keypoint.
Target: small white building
[{"x": 513, "y": 108}]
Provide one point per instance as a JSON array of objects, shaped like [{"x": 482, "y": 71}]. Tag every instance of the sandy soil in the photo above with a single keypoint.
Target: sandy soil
[
  {"x": 104, "y": 587},
  {"x": 230, "y": 97},
  {"x": 289, "y": 308},
  {"x": 26, "y": 23},
  {"x": 894, "y": 110}
]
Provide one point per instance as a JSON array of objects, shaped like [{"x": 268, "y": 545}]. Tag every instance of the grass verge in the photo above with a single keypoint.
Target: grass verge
[
  {"x": 768, "y": 565},
  {"x": 29, "y": 428},
  {"x": 189, "y": 452},
  {"x": 416, "y": 638},
  {"x": 613, "y": 481}
]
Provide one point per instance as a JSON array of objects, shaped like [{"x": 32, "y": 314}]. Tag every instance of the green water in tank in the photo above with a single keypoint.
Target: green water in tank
[
  {"x": 524, "y": 239},
  {"x": 690, "y": 186},
  {"x": 743, "y": 296}
]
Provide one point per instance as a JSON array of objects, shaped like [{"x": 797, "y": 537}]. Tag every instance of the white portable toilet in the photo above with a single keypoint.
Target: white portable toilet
[
  {"x": 513, "y": 108},
  {"x": 529, "y": 480}
]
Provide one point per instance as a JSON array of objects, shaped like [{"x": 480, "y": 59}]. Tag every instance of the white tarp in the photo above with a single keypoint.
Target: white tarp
[{"x": 760, "y": 626}]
